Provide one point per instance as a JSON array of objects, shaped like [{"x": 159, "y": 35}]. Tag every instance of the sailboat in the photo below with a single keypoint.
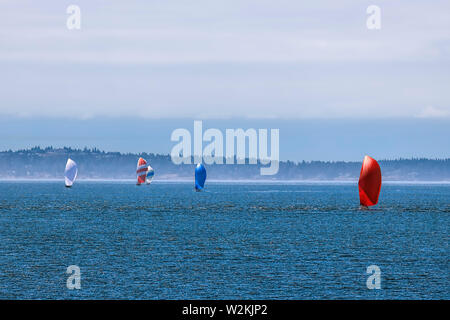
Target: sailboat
[
  {"x": 141, "y": 171},
  {"x": 200, "y": 177},
  {"x": 369, "y": 182},
  {"x": 70, "y": 174},
  {"x": 150, "y": 174}
]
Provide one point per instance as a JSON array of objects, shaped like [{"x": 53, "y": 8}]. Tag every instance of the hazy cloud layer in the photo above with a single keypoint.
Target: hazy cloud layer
[{"x": 222, "y": 59}]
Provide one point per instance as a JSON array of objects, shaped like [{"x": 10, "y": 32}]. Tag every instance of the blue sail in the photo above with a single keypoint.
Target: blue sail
[{"x": 200, "y": 177}]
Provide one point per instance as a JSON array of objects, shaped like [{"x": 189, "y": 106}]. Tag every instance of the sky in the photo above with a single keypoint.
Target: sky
[{"x": 310, "y": 68}]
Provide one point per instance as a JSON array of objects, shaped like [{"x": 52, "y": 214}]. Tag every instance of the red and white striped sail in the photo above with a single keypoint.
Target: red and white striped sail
[{"x": 141, "y": 171}]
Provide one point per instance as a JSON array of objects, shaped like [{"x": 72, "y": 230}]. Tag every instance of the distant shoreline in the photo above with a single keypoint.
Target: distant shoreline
[
  {"x": 187, "y": 181},
  {"x": 49, "y": 164}
]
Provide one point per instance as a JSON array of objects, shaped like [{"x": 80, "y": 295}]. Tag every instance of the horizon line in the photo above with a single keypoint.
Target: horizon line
[
  {"x": 96, "y": 150},
  {"x": 260, "y": 181}
]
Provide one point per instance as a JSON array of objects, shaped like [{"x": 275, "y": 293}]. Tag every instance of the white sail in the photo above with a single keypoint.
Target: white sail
[
  {"x": 150, "y": 174},
  {"x": 70, "y": 174}
]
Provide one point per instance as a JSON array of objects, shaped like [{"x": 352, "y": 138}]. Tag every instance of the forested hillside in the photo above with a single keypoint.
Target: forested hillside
[{"x": 49, "y": 163}]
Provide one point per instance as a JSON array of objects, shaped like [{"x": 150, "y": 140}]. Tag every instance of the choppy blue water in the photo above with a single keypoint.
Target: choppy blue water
[{"x": 243, "y": 241}]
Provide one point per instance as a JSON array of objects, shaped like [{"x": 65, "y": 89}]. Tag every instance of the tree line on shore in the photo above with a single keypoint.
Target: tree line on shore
[{"x": 49, "y": 163}]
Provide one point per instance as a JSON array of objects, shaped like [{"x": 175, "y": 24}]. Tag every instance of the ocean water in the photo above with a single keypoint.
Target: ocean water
[{"x": 233, "y": 241}]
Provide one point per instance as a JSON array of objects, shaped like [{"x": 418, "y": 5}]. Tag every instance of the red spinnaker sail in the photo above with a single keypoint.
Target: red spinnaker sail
[
  {"x": 369, "y": 182},
  {"x": 141, "y": 171}
]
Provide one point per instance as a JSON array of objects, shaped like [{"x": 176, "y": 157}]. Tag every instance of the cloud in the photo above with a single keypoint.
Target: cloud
[
  {"x": 224, "y": 58},
  {"x": 433, "y": 112}
]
